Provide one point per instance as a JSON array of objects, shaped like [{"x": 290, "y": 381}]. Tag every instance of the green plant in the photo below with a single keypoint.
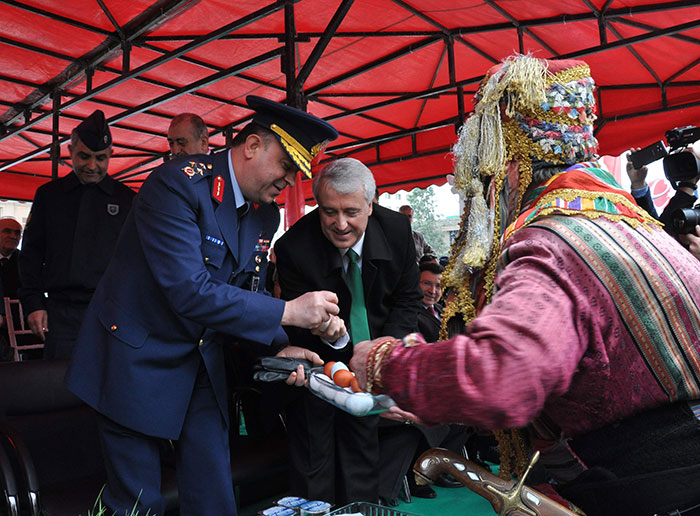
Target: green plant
[{"x": 100, "y": 510}]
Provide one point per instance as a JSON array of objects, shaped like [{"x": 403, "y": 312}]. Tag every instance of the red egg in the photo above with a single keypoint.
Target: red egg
[
  {"x": 343, "y": 378},
  {"x": 354, "y": 385},
  {"x": 327, "y": 368}
]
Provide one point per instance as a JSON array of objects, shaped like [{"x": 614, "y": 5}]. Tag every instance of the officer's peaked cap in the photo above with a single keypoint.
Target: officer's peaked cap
[{"x": 301, "y": 134}]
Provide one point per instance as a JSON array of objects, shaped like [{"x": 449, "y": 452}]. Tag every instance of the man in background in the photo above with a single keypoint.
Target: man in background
[
  {"x": 69, "y": 238},
  {"x": 188, "y": 135},
  {"x": 429, "y": 319},
  {"x": 422, "y": 247},
  {"x": 10, "y": 235},
  {"x": 364, "y": 253}
]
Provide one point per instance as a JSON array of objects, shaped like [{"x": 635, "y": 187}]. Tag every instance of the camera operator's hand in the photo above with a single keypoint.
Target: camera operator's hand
[
  {"x": 638, "y": 176},
  {"x": 692, "y": 242}
]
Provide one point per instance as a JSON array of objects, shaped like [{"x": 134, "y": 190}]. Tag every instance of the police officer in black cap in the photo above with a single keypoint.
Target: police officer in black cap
[
  {"x": 69, "y": 238},
  {"x": 187, "y": 270}
]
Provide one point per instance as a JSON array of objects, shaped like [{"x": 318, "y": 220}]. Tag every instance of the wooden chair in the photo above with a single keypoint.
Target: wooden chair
[{"x": 12, "y": 307}]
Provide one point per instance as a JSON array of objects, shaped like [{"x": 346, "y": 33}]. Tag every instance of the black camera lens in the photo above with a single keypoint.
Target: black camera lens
[{"x": 685, "y": 220}]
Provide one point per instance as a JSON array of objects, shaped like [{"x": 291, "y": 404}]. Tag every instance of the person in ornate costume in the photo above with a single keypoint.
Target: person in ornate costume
[{"x": 582, "y": 331}]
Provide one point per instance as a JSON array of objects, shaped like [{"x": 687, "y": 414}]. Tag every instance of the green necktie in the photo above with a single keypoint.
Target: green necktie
[{"x": 359, "y": 327}]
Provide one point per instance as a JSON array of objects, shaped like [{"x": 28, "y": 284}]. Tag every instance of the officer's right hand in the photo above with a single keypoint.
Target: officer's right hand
[
  {"x": 39, "y": 323},
  {"x": 310, "y": 310}
]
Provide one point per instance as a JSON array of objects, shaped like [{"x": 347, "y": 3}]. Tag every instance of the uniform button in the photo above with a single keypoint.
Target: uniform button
[
  {"x": 113, "y": 327},
  {"x": 257, "y": 258},
  {"x": 206, "y": 259},
  {"x": 257, "y": 268},
  {"x": 201, "y": 341}
]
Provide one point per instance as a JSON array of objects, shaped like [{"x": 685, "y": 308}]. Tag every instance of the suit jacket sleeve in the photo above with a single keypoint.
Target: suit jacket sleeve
[
  {"x": 292, "y": 285},
  {"x": 647, "y": 203},
  {"x": 31, "y": 292},
  {"x": 166, "y": 222}
]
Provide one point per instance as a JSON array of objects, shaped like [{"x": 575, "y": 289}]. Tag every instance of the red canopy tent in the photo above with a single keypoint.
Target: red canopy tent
[{"x": 394, "y": 76}]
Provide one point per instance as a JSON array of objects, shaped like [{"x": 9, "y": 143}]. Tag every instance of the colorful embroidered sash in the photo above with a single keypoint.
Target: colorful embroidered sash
[
  {"x": 585, "y": 188},
  {"x": 650, "y": 297}
]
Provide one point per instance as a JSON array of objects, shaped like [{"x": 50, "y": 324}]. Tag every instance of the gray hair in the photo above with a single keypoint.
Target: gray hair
[
  {"x": 346, "y": 176},
  {"x": 198, "y": 125}
]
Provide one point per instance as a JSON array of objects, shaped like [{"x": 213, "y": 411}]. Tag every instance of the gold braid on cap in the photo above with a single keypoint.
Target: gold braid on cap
[
  {"x": 297, "y": 151},
  {"x": 523, "y": 112}
]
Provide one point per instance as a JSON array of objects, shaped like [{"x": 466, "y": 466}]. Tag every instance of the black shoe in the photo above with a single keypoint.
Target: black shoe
[
  {"x": 447, "y": 480},
  {"x": 422, "y": 491}
]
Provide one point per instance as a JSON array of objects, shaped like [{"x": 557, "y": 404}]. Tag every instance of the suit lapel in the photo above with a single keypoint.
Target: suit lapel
[
  {"x": 375, "y": 248},
  {"x": 225, "y": 211}
]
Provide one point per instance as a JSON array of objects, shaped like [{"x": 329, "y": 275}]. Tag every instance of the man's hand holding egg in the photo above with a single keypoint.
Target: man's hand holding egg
[{"x": 331, "y": 329}]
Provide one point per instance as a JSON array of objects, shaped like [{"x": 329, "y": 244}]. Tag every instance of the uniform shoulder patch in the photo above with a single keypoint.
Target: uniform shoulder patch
[{"x": 192, "y": 168}]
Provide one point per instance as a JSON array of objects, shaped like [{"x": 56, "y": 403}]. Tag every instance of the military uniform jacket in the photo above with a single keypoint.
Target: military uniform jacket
[
  {"x": 69, "y": 238},
  {"x": 181, "y": 272},
  {"x": 308, "y": 261}
]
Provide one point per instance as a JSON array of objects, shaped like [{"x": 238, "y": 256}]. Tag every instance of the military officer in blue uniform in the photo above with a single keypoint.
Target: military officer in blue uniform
[
  {"x": 188, "y": 268},
  {"x": 69, "y": 238}
]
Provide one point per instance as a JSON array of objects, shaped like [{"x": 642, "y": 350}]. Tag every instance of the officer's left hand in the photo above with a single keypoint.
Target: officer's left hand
[{"x": 298, "y": 378}]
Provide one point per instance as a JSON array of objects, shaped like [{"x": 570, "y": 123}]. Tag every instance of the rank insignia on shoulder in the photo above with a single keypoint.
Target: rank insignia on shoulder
[
  {"x": 189, "y": 172},
  {"x": 217, "y": 190}
]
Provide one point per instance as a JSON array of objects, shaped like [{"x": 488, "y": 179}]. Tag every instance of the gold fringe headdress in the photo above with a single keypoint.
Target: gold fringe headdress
[{"x": 526, "y": 111}]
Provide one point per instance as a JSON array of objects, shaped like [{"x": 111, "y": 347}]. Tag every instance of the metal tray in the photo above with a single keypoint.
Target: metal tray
[{"x": 324, "y": 388}]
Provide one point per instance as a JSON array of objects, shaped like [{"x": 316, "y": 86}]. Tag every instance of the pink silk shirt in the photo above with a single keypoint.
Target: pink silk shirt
[{"x": 551, "y": 341}]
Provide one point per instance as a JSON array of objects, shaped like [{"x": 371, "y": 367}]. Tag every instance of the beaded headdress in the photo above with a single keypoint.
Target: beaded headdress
[{"x": 527, "y": 112}]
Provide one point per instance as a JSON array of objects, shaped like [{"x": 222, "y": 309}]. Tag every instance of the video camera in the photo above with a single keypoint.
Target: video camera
[{"x": 678, "y": 165}]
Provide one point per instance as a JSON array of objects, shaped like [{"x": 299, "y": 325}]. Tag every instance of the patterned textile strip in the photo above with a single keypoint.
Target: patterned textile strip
[
  {"x": 695, "y": 407},
  {"x": 584, "y": 187},
  {"x": 642, "y": 284}
]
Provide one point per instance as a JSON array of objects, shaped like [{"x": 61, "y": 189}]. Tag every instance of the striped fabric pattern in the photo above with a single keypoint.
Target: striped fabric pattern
[{"x": 650, "y": 297}]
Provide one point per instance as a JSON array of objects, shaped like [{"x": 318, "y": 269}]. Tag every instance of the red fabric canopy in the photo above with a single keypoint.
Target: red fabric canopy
[{"x": 394, "y": 76}]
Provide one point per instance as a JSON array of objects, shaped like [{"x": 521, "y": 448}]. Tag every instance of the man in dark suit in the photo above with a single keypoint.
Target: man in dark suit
[
  {"x": 69, "y": 238},
  {"x": 10, "y": 235},
  {"x": 335, "y": 455},
  {"x": 187, "y": 135},
  {"x": 429, "y": 319},
  {"x": 188, "y": 268}
]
